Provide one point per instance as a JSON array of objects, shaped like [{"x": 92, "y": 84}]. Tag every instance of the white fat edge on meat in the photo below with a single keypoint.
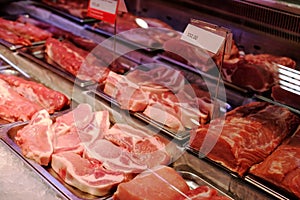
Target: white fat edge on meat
[
  {"x": 4, "y": 90},
  {"x": 109, "y": 162}
]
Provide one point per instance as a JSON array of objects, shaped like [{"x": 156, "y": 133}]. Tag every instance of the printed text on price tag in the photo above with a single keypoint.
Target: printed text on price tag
[{"x": 104, "y": 10}]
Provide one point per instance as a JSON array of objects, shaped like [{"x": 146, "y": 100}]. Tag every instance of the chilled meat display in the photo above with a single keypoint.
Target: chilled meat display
[
  {"x": 247, "y": 135},
  {"x": 161, "y": 94},
  {"x": 19, "y": 95},
  {"x": 26, "y": 32},
  {"x": 160, "y": 183},
  {"x": 76, "y": 8},
  {"x": 128, "y": 27},
  {"x": 282, "y": 168},
  {"x": 86, "y": 152}
]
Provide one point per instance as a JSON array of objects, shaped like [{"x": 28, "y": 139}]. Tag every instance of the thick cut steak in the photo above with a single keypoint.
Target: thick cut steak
[
  {"x": 282, "y": 166},
  {"x": 249, "y": 134},
  {"x": 160, "y": 183},
  {"x": 86, "y": 175},
  {"x": 35, "y": 139}
]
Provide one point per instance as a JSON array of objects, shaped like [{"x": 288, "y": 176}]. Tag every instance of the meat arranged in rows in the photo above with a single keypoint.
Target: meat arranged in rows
[
  {"x": 86, "y": 152},
  {"x": 20, "y": 99},
  {"x": 19, "y": 33},
  {"x": 162, "y": 94},
  {"x": 133, "y": 28},
  {"x": 246, "y": 136},
  {"x": 282, "y": 167}
]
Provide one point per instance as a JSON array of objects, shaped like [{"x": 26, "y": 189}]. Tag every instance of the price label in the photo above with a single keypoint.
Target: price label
[
  {"x": 104, "y": 10},
  {"x": 203, "y": 38}
]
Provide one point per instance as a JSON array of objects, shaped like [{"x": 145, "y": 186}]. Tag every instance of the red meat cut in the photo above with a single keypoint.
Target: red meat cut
[
  {"x": 160, "y": 183},
  {"x": 249, "y": 134},
  {"x": 282, "y": 167},
  {"x": 202, "y": 193}
]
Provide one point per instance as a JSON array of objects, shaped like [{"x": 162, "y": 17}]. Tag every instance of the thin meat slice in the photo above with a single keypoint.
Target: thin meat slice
[
  {"x": 247, "y": 135},
  {"x": 13, "y": 38},
  {"x": 86, "y": 175},
  {"x": 282, "y": 168},
  {"x": 25, "y": 30},
  {"x": 14, "y": 107},
  {"x": 160, "y": 183},
  {"x": 35, "y": 139},
  {"x": 43, "y": 96}
]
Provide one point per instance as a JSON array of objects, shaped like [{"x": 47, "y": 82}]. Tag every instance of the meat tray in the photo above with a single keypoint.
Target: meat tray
[
  {"x": 64, "y": 13},
  {"x": 37, "y": 54},
  {"x": 156, "y": 47},
  {"x": 181, "y": 136},
  {"x": 8, "y": 70}
]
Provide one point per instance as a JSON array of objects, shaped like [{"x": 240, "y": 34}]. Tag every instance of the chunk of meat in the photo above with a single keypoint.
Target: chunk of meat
[
  {"x": 25, "y": 30},
  {"x": 76, "y": 61},
  {"x": 86, "y": 175},
  {"x": 246, "y": 137},
  {"x": 13, "y": 38},
  {"x": 160, "y": 183},
  {"x": 14, "y": 107},
  {"x": 43, "y": 96},
  {"x": 285, "y": 97},
  {"x": 35, "y": 139},
  {"x": 282, "y": 167}
]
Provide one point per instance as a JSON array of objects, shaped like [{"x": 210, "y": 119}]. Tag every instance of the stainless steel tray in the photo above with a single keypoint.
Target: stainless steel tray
[{"x": 36, "y": 54}]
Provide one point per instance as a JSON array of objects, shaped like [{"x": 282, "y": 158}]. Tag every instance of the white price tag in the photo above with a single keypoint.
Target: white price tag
[{"x": 203, "y": 38}]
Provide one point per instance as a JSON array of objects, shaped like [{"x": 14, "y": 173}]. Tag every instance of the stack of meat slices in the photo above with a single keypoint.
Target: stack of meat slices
[
  {"x": 161, "y": 94},
  {"x": 19, "y": 33},
  {"x": 282, "y": 167},
  {"x": 20, "y": 98},
  {"x": 86, "y": 153},
  {"x": 246, "y": 137}
]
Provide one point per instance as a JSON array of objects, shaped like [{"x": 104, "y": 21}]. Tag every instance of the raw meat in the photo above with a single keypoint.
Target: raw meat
[
  {"x": 282, "y": 167},
  {"x": 37, "y": 93},
  {"x": 160, "y": 183},
  {"x": 14, "y": 107},
  {"x": 35, "y": 139},
  {"x": 76, "y": 61},
  {"x": 25, "y": 30},
  {"x": 202, "y": 193},
  {"x": 286, "y": 97},
  {"x": 13, "y": 38},
  {"x": 88, "y": 176},
  {"x": 246, "y": 137},
  {"x": 256, "y": 72},
  {"x": 77, "y": 8},
  {"x": 189, "y": 54}
]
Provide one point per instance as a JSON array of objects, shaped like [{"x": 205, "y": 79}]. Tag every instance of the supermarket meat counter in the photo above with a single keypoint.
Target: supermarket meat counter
[{"x": 166, "y": 121}]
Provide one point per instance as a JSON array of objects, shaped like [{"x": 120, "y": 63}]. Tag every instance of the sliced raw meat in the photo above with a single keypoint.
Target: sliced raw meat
[
  {"x": 13, "y": 38},
  {"x": 285, "y": 97},
  {"x": 126, "y": 93},
  {"x": 160, "y": 183},
  {"x": 26, "y": 31},
  {"x": 202, "y": 193},
  {"x": 47, "y": 98},
  {"x": 86, "y": 175},
  {"x": 246, "y": 137},
  {"x": 282, "y": 166},
  {"x": 14, "y": 107},
  {"x": 35, "y": 139},
  {"x": 76, "y": 61}
]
